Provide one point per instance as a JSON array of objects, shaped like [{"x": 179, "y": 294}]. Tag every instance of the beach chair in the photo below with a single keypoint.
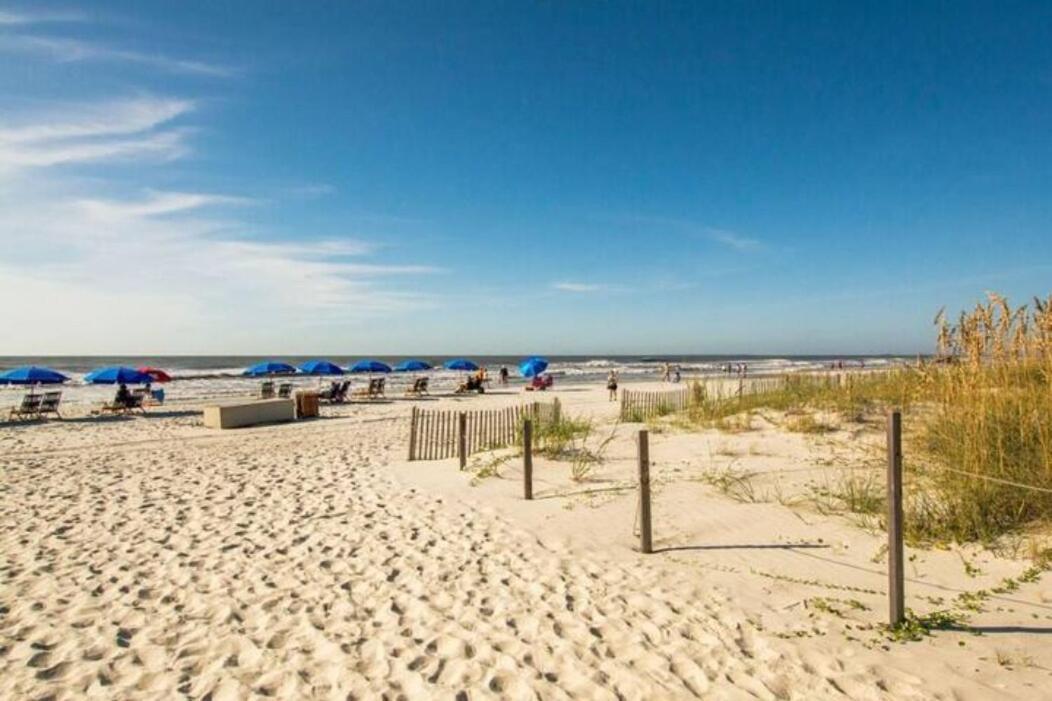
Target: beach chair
[
  {"x": 29, "y": 408},
  {"x": 366, "y": 392},
  {"x": 266, "y": 390},
  {"x": 327, "y": 394},
  {"x": 381, "y": 382},
  {"x": 418, "y": 389},
  {"x": 540, "y": 383},
  {"x": 336, "y": 393},
  {"x": 471, "y": 384},
  {"x": 285, "y": 390},
  {"x": 136, "y": 402},
  {"x": 49, "y": 404}
]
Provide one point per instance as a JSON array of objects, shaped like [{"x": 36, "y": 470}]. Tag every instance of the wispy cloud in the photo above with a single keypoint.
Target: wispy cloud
[
  {"x": 733, "y": 240},
  {"x": 184, "y": 264},
  {"x": 156, "y": 204},
  {"x": 579, "y": 287},
  {"x": 9, "y": 18},
  {"x": 689, "y": 228},
  {"x": 102, "y": 131},
  {"x": 66, "y": 50}
]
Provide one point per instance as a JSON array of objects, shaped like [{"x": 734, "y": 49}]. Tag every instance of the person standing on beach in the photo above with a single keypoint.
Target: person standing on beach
[
  {"x": 504, "y": 374},
  {"x": 611, "y": 385}
]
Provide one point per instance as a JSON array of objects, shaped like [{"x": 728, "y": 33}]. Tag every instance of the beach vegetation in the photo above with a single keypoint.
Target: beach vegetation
[{"x": 977, "y": 420}]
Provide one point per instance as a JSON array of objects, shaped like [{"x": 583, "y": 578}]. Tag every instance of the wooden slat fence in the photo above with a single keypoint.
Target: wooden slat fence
[
  {"x": 433, "y": 432},
  {"x": 640, "y": 405}
]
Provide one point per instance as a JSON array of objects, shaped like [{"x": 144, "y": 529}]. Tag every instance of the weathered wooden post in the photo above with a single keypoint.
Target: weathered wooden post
[
  {"x": 527, "y": 459},
  {"x": 896, "y": 593},
  {"x": 412, "y": 434},
  {"x": 646, "y": 543},
  {"x": 462, "y": 438}
]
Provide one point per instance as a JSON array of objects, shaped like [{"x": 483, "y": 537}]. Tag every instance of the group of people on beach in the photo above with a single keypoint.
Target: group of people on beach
[
  {"x": 740, "y": 369},
  {"x": 670, "y": 373}
]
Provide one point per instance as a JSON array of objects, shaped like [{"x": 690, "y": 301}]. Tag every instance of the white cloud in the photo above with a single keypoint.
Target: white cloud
[
  {"x": 577, "y": 287},
  {"x": 115, "y": 129},
  {"x": 162, "y": 271},
  {"x": 66, "y": 50},
  {"x": 735, "y": 241},
  {"x": 22, "y": 18},
  {"x": 157, "y": 204}
]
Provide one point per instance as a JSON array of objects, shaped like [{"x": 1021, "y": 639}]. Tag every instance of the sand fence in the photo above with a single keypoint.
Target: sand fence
[{"x": 437, "y": 434}]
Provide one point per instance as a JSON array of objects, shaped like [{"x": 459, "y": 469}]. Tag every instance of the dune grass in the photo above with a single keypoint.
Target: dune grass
[{"x": 977, "y": 418}]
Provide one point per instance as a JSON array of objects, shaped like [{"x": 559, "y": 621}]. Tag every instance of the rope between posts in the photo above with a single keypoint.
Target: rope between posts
[{"x": 1010, "y": 483}]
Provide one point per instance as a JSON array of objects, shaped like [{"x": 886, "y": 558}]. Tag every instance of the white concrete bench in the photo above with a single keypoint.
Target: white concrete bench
[{"x": 250, "y": 413}]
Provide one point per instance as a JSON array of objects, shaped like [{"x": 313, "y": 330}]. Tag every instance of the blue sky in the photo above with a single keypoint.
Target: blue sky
[{"x": 594, "y": 177}]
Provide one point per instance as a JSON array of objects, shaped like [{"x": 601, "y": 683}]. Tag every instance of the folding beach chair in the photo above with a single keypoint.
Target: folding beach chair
[
  {"x": 366, "y": 392},
  {"x": 285, "y": 390},
  {"x": 49, "y": 404},
  {"x": 266, "y": 390},
  {"x": 136, "y": 402},
  {"x": 418, "y": 389},
  {"x": 29, "y": 408}
]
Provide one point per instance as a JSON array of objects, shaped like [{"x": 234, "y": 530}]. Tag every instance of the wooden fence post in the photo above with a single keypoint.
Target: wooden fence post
[
  {"x": 462, "y": 438},
  {"x": 896, "y": 594},
  {"x": 646, "y": 543},
  {"x": 412, "y": 434},
  {"x": 527, "y": 459}
]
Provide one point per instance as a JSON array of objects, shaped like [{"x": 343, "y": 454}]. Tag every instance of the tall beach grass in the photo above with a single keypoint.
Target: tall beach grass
[{"x": 978, "y": 419}]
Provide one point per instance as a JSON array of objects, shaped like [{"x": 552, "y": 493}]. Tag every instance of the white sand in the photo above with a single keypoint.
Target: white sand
[{"x": 153, "y": 558}]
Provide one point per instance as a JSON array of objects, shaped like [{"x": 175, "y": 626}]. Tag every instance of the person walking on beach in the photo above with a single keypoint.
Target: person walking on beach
[
  {"x": 676, "y": 376},
  {"x": 504, "y": 374},
  {"x": 611, "y": 385}
]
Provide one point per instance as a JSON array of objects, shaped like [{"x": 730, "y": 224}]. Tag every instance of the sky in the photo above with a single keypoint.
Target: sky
[{"x": 517, "y": 177}]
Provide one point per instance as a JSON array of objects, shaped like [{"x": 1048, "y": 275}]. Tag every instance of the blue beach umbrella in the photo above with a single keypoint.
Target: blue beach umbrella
[
  {"x": 117, "y": 374},
  {"x": 533, "y": 366},
  {"x": 269, "y": 367},
  {"x": 32, "y": 375},
  {"x": 321, "y": 367},
  {"x": 412, "y": 366},
  {"x": 460, "y": 364},
  {"x": 369, "y": 366}
]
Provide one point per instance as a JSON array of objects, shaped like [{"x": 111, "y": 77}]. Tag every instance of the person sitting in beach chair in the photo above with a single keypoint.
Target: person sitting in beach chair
[
  {"x": 266, "y": 390},
  {"x": 123, "y": 402},
  {"x": 49, "y": 404},
  {"x": 472, "y": 383},
  {"x": 285, "y": 390},
  {"x": 418, "y": 389},
  {"x": 29, "y": 408},
  {"x": 540, "y": 383},
  {"x": 336, "y": 393}
]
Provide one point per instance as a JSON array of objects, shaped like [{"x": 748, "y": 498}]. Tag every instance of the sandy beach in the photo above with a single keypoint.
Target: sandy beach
[{"x": 152, "y": 558}]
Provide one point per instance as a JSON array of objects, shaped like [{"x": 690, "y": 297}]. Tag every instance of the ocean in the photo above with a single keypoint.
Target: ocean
[{"x": 202, "y": 377}]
